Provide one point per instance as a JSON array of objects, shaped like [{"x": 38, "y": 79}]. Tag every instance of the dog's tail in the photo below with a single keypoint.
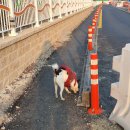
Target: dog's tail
[{"x": 55, "y": 66}]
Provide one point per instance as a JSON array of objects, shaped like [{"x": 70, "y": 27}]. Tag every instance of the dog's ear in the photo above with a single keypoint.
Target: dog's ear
[{"x": 78, "y": 80}]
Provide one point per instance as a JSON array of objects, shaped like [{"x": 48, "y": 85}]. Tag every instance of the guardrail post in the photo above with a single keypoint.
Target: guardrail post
[
  {"x": 82, "y": 4},
  {"x": 50, "y": 10},
  {"x": 75, "y": 8},
  {"x": 70, "y": 6},
  {"x": 60, "y": 9},
  {"x": 79, "y": 3},
  {"x": 12, "y": 19},
  {"x": 66, "y": 8},
  {"x": 78, "y": 7},
  {"x": 36, "y": 14}
]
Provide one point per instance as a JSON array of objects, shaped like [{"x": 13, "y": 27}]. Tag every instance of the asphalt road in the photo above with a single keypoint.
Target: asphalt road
[
  {"x": 112, "y": 38},
  {"x": 39, "y": 110}
]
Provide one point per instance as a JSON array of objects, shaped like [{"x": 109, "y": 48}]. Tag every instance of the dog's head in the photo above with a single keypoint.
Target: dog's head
[{"x": 74, "y": 87}]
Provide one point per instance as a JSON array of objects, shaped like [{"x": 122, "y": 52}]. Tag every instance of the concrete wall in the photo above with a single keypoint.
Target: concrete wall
[{"x": 17, "y": 53}]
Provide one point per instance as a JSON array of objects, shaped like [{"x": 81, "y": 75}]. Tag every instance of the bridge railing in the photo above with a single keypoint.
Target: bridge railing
[
  {"x": 24, "y": 12},
  {"x": 4, "y": 17},
  {"x": 18, "y": 14}
]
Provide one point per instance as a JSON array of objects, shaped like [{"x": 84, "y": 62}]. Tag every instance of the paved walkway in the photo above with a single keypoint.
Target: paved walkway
[{"x": 39, "y": 109}]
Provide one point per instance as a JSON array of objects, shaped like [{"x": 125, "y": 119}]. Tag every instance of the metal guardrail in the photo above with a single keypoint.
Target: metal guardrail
[
  {"x": 89, "y": 90},
  {"x": 16, "y": 14}
]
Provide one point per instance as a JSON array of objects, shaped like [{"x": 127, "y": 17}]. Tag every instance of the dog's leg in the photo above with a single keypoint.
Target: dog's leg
[
  {"x": 67, "y": 90},
  {"x": 61, "y": 91},
  {"x": 60, "y": 82},
  {"x": 56, "y": 87}
]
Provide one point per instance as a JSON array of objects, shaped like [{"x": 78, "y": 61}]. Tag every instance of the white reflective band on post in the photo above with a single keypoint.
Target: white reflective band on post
[
  {"x": 94, "y": 72},
  {"x": 94, "y": 81},
  {"x": 93, "y": 27},
  {"x": 89, "y": 40},
  {"x": 94, "y": 62},
  {"x": 89, "y": 30},
  {"x": 90, "y": 35}
]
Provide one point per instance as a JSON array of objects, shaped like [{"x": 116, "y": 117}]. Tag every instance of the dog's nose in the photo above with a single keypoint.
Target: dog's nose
[{"x": 76, "y": 91}]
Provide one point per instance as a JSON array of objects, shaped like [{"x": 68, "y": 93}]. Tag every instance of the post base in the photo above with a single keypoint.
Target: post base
[
  {"x": 51, "y": 20},
  {"x": 12, "y": 34},
  {"x": 93, "y": 111},
  {"x": 60, "y": 17},
  {"x": 36, "y": 25}
]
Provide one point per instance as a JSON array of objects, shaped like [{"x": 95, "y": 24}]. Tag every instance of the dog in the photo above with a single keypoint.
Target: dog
[{"x": 65, "y": 78}]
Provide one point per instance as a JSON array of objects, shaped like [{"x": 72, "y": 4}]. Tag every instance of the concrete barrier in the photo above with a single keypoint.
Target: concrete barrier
[
  {"x": 121, "y": 89},
  {"x": 17, "y": 53}
]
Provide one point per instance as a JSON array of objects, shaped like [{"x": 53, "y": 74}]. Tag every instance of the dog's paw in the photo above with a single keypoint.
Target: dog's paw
[
  {"x": 63, "y": 99},
  {"x": 56, "y": 96}
]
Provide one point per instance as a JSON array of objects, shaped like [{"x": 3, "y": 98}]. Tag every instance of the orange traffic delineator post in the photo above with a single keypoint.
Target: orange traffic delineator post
[
  {"x": 94, "y": 23},
  {"x": 90, "y": 37},
  {"x": 97, "y": 13},
  {"x": 96, "y": 16},
  {"x": 93, "y": 27},
  {"x": 95, "y": 108},
  {"x": 94, "y": 20}
]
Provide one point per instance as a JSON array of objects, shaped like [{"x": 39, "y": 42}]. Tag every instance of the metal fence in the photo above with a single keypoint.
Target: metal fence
[
  {"x": 17, "y": 14},
  {"x": 4, "y": 17},
  {"x": 24, "y": 11}
]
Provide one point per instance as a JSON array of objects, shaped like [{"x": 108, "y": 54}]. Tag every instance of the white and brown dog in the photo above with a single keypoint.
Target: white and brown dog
[{"x": 65, "y": 78}]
